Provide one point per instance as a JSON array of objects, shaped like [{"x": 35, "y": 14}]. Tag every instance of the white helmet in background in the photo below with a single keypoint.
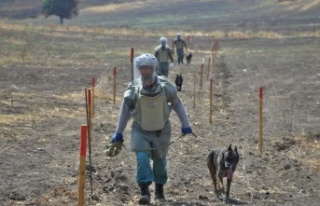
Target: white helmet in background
[
  {"x": 163, "y": 41},
  {"x": 145, "y": 60},
  {"x": 178, "y": 36}
]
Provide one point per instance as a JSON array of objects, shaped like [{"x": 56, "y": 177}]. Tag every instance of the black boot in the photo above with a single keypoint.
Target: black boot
[
  {"x": 145, "y": 194},
  {"x": 159, "y": 196}
]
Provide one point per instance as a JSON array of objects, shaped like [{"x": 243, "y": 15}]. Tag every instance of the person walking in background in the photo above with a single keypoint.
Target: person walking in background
[
  {"x": 180, "y": 44},
  {"x": 163, "y": 54},
  {"x": 149, "y": 100}
]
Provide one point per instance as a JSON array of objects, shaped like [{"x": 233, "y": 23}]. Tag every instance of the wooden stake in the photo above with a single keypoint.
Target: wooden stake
[
  {"x": 201, "y": 76},
  {"x": 92, "y": 88},
  {"x": 131, "y": 60},
  {"x": 114, "y": 84},
  {"x": 260, "y": 120},
  {"x": 194, "y": 90},
  {"x": 208, "y": 68},
  {"x": 210, "y": 105},
  {"x": 89, "y": 126}
]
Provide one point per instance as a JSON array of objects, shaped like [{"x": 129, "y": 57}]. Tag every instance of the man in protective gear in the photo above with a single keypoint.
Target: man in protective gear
[
  {"x": 149, "y": 100},
  {"x": 163, "y": 54},
  {"x": 180, "y": 44}
]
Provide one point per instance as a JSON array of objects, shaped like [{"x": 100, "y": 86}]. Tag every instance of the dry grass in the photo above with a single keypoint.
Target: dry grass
[
  {"x": 113, "y": 7},
  {"x": 300, "y": 5},
  {"x": 40, "y": 113},
  {"x": 311, "y": 145},
  {"x": 305, "y": 150}
]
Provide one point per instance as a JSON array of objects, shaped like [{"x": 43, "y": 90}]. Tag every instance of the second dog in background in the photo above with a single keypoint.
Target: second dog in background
[
  {"x": 178, "y": 81},
  {"x": 188, "y": 58}
]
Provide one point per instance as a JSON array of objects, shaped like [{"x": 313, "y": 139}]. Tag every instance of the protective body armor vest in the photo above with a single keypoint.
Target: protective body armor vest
[
  {"x": 151, "y": 112},
  {"x": 163, "y": 55},
  {"x": 179, "y": 44}
]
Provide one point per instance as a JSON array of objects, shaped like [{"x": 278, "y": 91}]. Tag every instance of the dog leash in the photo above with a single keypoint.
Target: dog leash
[{"x": 156, "y": 148}]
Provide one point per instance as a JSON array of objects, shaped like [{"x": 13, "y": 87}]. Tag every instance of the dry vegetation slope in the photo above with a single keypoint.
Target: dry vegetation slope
[
  {"x": 45, "y": 68},
  {"x": 228, "y": 13}
]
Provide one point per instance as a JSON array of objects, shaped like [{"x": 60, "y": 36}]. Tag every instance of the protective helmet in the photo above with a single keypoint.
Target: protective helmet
[
  {"x": 178, "y": 36},
  {"x": 163, "y": 41},
  {"x": 146, "y": 60}
]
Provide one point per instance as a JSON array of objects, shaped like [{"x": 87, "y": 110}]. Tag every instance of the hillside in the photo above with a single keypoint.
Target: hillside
[
  {"x": 285, "y": 15},
  {"x": 16, "y": 9}
]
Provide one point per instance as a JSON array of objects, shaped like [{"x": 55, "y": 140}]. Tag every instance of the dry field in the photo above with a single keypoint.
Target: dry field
[{"x": 44, "y": 69}]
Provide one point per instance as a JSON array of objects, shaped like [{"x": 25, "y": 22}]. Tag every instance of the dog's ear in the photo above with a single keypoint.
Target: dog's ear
[
  {"x": 235, "y": 149},
  {"x": 230, "y": 148}
]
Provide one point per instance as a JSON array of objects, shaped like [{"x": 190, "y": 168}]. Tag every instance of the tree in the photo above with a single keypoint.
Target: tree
[{"x": 64, "y": 9}]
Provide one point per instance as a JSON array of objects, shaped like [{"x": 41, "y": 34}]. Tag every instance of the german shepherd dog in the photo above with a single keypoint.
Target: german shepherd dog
[
  {"x": 222, "y": 162},
  {"x": 188, "y": 58},
  {"x": 178, "y": 81}
]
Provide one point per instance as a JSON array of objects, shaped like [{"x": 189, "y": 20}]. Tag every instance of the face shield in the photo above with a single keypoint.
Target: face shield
[
  {"x": 145, "y": 68},
  {"x": 178, "y": 36},
  {"x": 163, "y": 42}
]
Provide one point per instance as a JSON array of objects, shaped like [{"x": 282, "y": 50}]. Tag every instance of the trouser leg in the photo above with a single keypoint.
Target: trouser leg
[
  {"x": 180, "y": 55},
  {"x": 160, "y": 177},
  {"x": 144, "y": 176},
  {"x": 160, "y": 170}
]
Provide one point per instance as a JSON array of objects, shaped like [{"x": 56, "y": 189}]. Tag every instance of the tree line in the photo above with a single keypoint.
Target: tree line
[{"x": 64, "y": 9}]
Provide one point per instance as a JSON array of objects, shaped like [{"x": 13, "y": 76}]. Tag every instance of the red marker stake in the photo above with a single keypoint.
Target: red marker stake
[
  {"x": 82, "y": 166},
  {"x": 89, "y": 113}
]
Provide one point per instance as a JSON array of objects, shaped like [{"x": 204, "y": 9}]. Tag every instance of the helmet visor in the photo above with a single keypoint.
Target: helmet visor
[{"x": 145, "y": 67}]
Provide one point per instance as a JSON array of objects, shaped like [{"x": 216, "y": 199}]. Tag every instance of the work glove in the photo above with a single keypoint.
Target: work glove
[
  {"x": 186, "y": 130},
  {"x": 117, "y": 137},
  {"x": 171, "y": 65}
]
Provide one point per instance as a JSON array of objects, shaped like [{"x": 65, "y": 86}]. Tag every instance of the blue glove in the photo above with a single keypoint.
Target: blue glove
[
  {"x": 117, "y": 137},
  {"x": 186, "y": 130}
]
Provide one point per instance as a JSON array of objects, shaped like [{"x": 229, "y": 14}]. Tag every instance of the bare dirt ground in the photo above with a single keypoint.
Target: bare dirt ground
[
  {"x": 42, "y": 110},
  {"x": 44, "y": 71}
]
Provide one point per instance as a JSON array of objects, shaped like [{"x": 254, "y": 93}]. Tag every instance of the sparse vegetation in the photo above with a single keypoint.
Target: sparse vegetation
[{"x": 45, "y": 67}]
